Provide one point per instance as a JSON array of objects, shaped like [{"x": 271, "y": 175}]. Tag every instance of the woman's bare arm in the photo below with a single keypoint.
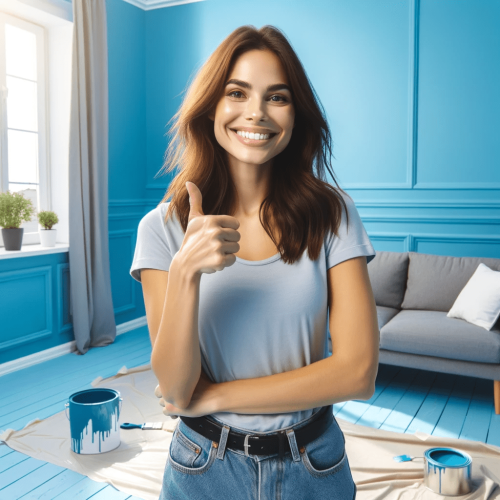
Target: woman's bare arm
[{"x": 172, "y": 303}]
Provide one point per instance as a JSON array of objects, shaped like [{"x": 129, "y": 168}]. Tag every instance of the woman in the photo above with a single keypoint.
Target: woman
[{"x": 242, "y": 354}]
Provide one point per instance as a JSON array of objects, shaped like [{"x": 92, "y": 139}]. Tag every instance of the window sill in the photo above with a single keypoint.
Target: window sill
[{"x": 29, "y": 250}]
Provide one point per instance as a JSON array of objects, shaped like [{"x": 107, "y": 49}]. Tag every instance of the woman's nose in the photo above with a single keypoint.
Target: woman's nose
[{"x": 255, "y": 109}]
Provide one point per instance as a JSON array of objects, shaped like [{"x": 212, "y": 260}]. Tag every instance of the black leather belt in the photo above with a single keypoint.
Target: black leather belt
[{"x": 263, "y": 445}]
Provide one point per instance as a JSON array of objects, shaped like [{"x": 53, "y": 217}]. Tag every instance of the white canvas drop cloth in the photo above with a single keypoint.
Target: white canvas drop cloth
[{"x": 136, "y": 466}]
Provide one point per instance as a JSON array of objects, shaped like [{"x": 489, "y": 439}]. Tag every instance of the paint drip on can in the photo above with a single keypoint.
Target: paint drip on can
[{"x": 94, "y": 415}]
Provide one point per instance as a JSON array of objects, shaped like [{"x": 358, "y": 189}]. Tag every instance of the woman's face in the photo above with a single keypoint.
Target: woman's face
[{"x": 256, "y": 98}]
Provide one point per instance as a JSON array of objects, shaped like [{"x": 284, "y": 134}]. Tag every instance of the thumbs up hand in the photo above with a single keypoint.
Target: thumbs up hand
[{"x": 210, "y": 241}]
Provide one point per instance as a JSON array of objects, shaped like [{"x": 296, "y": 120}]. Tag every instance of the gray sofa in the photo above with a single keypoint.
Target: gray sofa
[{"x": 413, "y": 293}]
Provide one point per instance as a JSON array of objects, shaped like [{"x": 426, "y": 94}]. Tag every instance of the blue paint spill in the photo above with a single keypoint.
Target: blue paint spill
[{"x": 95, "y": 410}]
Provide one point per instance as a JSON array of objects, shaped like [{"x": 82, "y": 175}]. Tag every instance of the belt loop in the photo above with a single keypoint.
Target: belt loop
[
  {"x": 222, "y": 443},
  {"x": 293, "y": 445},
  {"x": 281, "y": 439}
]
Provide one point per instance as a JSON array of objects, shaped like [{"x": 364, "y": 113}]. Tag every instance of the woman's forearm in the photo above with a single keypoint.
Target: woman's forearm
[
  {"x": 176, "y": 359},
  {"x": 325, "y": 382}
]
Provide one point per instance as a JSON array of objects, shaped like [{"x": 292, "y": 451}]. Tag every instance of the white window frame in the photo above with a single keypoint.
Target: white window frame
[{"x": 44, "y": 195}]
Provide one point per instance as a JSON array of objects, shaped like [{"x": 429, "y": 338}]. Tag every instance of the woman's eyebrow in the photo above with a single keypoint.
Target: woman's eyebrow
[{"x": 272, "y": 88}]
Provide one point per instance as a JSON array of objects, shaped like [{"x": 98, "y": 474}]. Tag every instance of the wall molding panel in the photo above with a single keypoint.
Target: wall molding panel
[
  {"x": 63, "y": 299},
  {"x": 129, "y": 235},
  {"x": 20, "y": 279}
]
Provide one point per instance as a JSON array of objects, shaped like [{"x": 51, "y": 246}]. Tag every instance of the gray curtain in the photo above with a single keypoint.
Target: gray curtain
[{"x": 90, "y": 285}]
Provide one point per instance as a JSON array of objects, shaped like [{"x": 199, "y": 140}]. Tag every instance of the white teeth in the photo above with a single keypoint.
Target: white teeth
[{"x": 250, "y": 135}]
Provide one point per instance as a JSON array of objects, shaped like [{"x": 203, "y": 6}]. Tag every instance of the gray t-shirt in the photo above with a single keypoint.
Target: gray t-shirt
[{"x": 258, "y": 318}]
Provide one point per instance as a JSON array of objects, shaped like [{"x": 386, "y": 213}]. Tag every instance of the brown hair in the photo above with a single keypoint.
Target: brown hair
[{"x": 299, "y": 202}]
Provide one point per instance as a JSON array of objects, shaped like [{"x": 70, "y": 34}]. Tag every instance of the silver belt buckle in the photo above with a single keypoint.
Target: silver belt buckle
[{"x": 246, "y": 445}]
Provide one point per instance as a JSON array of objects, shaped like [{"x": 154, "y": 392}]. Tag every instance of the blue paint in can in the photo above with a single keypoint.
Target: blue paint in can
[
  {"x": 441, "y": 459},
  {"x": 93, "y": 416}
]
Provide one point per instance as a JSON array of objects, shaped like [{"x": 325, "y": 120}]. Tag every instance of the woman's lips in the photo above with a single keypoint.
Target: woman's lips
[{"x": 253, "y": 142}]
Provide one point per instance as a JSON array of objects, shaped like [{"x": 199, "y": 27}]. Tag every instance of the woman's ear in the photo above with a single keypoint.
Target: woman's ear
[{"x": 211, "y": 116}]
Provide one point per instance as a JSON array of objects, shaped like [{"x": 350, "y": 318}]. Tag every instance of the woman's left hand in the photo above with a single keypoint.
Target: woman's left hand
[{"x": 203, "y": 401}]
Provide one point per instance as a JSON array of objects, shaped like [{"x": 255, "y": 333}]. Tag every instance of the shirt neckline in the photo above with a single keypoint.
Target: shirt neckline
[{"x": 258, "y": 262}]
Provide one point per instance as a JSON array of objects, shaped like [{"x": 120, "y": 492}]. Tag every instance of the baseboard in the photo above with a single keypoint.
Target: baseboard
[{"x": 60, "y": 350}]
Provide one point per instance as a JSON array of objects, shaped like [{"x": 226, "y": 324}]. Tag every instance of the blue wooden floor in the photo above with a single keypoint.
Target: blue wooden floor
[{"x": 405, "y": 400}]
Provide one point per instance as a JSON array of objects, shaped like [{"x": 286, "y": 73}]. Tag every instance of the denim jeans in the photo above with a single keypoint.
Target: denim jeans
[{"x": 198, "y": 468}]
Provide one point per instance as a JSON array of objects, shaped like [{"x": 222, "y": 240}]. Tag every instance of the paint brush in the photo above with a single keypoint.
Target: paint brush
[
  {"x": 407, "y": 458},
  {"x": 155, "y": 426},
  {"x": 404, "y": 458}
]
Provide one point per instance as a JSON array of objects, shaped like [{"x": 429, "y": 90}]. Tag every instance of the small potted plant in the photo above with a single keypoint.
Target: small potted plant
[
  {"x": 14, "y": 210},
  {"x": 47, "y": 235}
]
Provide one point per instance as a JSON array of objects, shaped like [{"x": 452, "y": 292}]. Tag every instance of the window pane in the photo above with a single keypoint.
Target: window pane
[
  {"x": 20, "y": 52},
  {"x": 21, "y": 104},
  {"x": 31, "y": 193},
  {"x": 23, "y": 156}
]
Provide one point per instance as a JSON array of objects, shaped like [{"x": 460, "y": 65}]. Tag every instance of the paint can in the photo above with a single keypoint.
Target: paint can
[
  {"x": 447, "y": 471},
  {"x": 93, "y": 417}
]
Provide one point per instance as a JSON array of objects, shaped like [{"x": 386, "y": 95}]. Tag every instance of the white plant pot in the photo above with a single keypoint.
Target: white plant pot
[{"x": 48, "y": 237}]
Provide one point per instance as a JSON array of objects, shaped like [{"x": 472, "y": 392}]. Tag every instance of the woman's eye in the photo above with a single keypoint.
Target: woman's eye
[
  {"x": 275, "y": 95},
  {"x": 281, "y": 97}
]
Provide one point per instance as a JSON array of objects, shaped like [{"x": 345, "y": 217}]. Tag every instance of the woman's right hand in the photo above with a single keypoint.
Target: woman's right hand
[{"x": 210, "y": 241}]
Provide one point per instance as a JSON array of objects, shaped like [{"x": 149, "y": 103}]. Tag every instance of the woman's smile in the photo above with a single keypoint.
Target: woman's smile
[{"x": 253, "y": 142}]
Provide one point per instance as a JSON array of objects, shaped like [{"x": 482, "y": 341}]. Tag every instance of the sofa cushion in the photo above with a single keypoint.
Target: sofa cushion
[
  {"x": 388, "y": 274},
  {"x": 385, "y": 314},
  {"x": 479, "y": 302},
  {"x": 435, "y": 281},
  {"x": 432, "y": 333}
]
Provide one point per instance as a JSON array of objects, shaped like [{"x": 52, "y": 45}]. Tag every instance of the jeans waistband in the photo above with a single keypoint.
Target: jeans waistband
[{"x": 263, "y": 445}]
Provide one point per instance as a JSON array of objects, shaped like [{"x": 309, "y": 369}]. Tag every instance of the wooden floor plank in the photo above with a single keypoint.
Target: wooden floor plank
[
  {"x": 433, "y": 406},
  {"x": 18, "y": 471},
  {"x": 452, "y": 419},
  {"x": 8, "y": 461},
  {"x": 82, "y": 490},
  {"x": 4, "y": 450},
  {"x": 477, "y": 421},
  {"x": 30, "y": 481},
  {"x": 494, "y": 430},
  {"x": 56, "y": 485},
  {"x": 385, "y": 403},
  {"x": 110, "y": 493},
  {"x": 403, "y": 413}
]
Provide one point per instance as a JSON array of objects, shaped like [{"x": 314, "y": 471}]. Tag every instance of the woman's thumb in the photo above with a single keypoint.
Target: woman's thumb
[{"x": 195, "y": 199}]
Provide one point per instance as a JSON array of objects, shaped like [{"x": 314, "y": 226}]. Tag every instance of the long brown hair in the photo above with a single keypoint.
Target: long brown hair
[{"x": 301, "y": 204}]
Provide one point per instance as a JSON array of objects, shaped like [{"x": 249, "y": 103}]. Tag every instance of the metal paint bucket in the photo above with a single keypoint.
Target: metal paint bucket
[
  {"x": 447, "y": 471},
  {"x": 93, "y": 417}
]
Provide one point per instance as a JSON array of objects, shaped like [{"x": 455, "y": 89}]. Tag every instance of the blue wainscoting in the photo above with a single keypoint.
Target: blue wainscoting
[{"x": 35, "y": 312}]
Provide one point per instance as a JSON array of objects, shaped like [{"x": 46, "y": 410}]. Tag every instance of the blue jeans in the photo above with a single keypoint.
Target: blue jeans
[{"x": 201, "y": 469}]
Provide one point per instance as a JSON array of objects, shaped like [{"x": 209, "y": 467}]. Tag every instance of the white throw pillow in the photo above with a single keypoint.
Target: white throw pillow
[{"x": 479, "y": 300}]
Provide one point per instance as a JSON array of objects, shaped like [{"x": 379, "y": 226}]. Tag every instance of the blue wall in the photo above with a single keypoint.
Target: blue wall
[{"x": 410, "y": 92}]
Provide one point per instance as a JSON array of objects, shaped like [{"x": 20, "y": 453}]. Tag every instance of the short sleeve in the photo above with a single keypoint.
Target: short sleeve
[
  {"x": 151, "y": 249},
  {"x": 352, "y": 241}
]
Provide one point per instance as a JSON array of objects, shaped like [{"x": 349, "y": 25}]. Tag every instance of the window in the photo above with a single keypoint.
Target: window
[{"x": 23, "y": 126}]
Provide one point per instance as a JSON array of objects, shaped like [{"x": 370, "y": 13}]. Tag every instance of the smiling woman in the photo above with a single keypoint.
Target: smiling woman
[{"x": 242, "y": 354}]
